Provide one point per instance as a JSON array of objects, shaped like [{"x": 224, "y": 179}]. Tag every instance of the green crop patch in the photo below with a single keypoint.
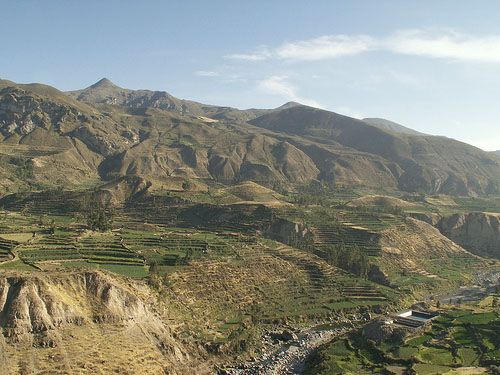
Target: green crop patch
[
  {"x": 459, "y": 338},
  {"x": 479, "y": 318},
  {"x": 468, "y": 356},
  {"x": 430, "y": 369},
  {"x": 435, "y": 356}
]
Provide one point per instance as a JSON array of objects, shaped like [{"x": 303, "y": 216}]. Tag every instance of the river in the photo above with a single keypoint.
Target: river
[{"x": 290, "y": 358}]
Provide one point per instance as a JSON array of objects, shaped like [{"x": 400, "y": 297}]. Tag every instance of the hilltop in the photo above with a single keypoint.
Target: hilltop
[{"x": 106, "y": 92}]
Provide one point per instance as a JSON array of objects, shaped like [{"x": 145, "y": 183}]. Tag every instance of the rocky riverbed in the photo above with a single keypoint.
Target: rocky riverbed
[
  {"x": 482, "y": 284},
  {"x": 287, "y": 350},
  {"x": 289, "y": 356}
]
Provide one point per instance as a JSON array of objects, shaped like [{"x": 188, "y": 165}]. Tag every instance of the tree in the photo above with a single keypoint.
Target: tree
[
  {"x": 155, "y": 278},
  {"x": 357, "y": 262},
  {"x": 187, "y": 185},
  {"x": 100, "y": 217},
  {"x": 24, "y": 167},
  {"x": 153, "y": 267},
  {"x": 52, "y": 226},
  {"x": 342, "y": 259},
  {"x": 187, "y": 256},
  {"x": 350, "y": 259}
]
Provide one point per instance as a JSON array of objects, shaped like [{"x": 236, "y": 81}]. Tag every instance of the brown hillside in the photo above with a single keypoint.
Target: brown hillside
[
  {"x": 429, "y": 164},
  {"x": 87, "y": 322},
  {"x": 47, "y": 138}
]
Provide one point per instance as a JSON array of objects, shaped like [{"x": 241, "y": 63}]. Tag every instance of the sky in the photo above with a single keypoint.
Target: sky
[{"x": 433, "y": 66}]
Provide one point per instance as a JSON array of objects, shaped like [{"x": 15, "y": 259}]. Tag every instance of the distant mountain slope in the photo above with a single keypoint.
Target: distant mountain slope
[
  {"x": 497, "y": 152},
  {"x": 106, "y": 92},
  {"x": 427, "y": 163},
  {"x": 391, "y": 126},
  {"x": 162, "y": 146},
  {"x": 49, "y": 138}
]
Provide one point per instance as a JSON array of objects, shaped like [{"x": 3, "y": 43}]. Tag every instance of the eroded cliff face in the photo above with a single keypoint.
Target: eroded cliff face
[
  {"x": 21, "y": 113},
  {"x": 477, "y": 232},
  {"x": 84, "y": 319}
]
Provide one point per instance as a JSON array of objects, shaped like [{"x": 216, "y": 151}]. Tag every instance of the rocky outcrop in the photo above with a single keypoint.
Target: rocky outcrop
[
  {"x": 34, "y": 309},
  {"x": 380, "y": 330},
  {"x": 30, "y": 313},
  {"x": 88, "y": 322},
  {"x": 96, "y": 141},
  {"x": 477, "y": 232},
  {"x": 417, "y": 248},
  {"x": 21, "y": 112},
  {"x": 290, "y": 232},
  {"x": 106, "y": 92}
]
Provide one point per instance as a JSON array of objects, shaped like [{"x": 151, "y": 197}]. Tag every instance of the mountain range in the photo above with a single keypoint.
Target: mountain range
[{"x": 103, "y": 132}]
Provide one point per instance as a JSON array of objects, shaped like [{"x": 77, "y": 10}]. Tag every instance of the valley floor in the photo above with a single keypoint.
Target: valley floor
[{"x": 299, "y": 356}]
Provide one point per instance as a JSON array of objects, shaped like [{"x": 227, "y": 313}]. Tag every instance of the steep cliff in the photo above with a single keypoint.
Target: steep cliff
[
  {"x": 87, "y": 322},
  {"x": 477, "y": 232}
]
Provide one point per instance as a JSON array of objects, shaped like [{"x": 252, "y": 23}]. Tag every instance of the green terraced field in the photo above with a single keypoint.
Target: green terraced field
[
  {"x": 97, "y": 248},
  {"x": 218, "y": 261},
  {"x": 467, "y": 337},
  {"x": 6, "y": 247},
  {"x": 313, "y": 291}
]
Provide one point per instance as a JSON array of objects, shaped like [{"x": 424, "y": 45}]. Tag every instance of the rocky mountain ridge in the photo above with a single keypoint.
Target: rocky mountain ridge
[
  {"x": 111, "y": 132},
  {"x": 419, "y": 163}
]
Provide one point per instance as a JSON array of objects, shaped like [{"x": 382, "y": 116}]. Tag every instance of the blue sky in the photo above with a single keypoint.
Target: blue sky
[{"x": 430, "y": 65}]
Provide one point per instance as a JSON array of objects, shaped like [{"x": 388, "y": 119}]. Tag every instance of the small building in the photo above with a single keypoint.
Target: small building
[{"x": 414, "y": 318}]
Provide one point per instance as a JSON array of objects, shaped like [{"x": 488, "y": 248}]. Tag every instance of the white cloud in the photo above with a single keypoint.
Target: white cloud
[
  {"x": 442, "y": 43},
  {"x": 262, "y": 53},
  {"x": 325, "y": 47},
  {"x": 446, "y": 44},
  {"x": 206, "y": 73},
  {"x": 279, "y": 86},
  {"x": 247, "y": 56},
  {"x": 235, "y": 78}
]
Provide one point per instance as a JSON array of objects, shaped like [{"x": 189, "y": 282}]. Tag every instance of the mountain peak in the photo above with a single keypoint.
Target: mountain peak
[
  {"x": 289, "y": 105},
  {"x": 104, "y": 82}
]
